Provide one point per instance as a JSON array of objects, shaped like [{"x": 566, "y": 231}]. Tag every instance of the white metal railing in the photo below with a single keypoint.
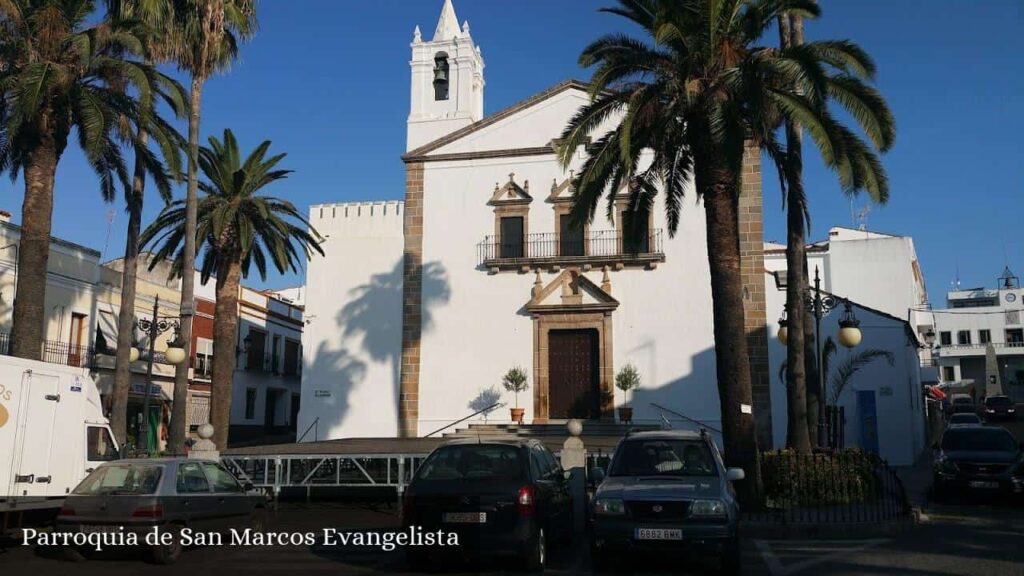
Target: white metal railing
[{"x": 979, "y": 346}]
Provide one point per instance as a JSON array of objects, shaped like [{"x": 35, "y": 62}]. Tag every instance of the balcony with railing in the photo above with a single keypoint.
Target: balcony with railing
[
  {"x": 57, "y": 352},
  {"x": 596, "y": 248},
  {"x": 270, "y": 363},
  {"x": 1011, "y": 347}
]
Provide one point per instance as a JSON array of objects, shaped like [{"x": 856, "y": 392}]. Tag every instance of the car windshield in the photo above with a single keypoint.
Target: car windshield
[
  {"x": 964, "y": 419},
  {"x": 661, "y": 457},
  {"x": 998, "y": 401},
  {"x": 962, "y": 401},
  {"x": 979, "y": 440},
  {"x": 120, "y": 479},
  {"x": 490, "y": 462}
]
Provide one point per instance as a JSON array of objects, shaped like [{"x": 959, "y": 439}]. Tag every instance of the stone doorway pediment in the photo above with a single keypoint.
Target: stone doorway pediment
[{"x": 571, "y": 291}]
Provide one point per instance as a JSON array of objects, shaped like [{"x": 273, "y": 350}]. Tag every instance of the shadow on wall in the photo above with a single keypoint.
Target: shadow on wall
[
  {"x": 488, "y": 397},
  {"x": 339, "y": 372},
  {"x": 370, "y": 327},
  {"x": 694, "y": 395}
]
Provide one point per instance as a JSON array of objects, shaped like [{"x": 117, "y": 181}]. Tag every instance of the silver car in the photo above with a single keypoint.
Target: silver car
[
  {"x": 667, "y": 492},
  {"x": 166, "y": 493}
]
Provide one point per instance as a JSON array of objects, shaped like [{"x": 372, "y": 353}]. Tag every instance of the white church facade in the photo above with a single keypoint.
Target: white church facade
[{"x": 421, "y": 306}]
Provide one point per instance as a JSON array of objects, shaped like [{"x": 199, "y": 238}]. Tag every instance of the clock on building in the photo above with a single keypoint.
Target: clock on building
[{"x": 1011, "y": 297}]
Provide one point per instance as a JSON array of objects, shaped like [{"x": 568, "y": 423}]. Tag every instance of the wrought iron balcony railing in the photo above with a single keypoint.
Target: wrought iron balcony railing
[
  {"x": 57, "y": 352},
  {"x": 598, "y": 247}
]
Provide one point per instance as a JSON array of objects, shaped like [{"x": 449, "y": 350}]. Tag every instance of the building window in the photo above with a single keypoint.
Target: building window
[
  {"x": 945, "y": 338},
  {"x": 250, "y": 403},
  {"x": 256, "y": 348},
  {"x": 292, "y": 357},
  {"x": 963, "y": 337},
  {"x": 948, "y": 374},
  {"x": 441, "y": 76},
  {"x": 984, "y": 336},
  {"x": 570, "y": 237},
  {"x": 512, "y": 236},
  {"x": 1015, "y": 336},
  {"x": 204, "y": 358}
]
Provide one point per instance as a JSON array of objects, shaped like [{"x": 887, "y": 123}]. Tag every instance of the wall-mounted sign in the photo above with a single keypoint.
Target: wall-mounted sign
[
  {"x": 321, "y": 393},
  {"x": 76, "y": 386}
]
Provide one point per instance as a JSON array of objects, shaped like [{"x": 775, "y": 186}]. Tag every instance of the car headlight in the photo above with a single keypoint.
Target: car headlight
[
  {"x": 708, "y": 509},
  {"x": 1011, "y": 409},
  {"x": 989, "y": 411},
  {"x": 609, "y": 507}
]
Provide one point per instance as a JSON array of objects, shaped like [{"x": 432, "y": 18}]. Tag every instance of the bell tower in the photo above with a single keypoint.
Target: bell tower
[{"x": 447, "y": 81}]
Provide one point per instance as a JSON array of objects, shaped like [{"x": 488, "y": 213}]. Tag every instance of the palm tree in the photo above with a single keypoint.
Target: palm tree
[
  {"x": 58, "y": 76},
  {"x": 802, "y": 387},
  {"x": 205, "y": 36},
  {"x": 150, "y": 17},
  {"x": 689, "y": 103},
  {"x": 237, "y": 227}
]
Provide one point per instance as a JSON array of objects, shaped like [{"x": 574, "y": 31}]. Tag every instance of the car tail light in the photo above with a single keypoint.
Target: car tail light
[
  {"x": 526, "y": 501},
  {"x": 154, "y": 511},
  {"x": 66, "y": 511}
]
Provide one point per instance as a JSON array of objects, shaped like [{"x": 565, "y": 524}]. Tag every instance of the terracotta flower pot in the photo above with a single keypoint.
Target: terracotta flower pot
[
  {"x": 625, "y": 414},
  {"x": 517, "y": 414}
]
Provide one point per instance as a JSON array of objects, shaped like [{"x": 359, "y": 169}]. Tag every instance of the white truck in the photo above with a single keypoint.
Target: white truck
[{"x": 52, "y": 433}]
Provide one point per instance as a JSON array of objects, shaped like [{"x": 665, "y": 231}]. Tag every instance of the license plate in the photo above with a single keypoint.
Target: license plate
[
  {"x": 96, "y": 529},
  {"x": 983, "y": 484},
  {"x": 466, "y": 517},
  {"x": 659, "y": 534}
]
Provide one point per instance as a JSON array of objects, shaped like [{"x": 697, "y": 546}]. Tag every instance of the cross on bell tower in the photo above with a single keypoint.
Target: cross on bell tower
[{"x": 447, "y": 81}]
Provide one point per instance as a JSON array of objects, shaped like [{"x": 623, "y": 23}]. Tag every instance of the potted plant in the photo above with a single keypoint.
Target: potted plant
[
  {"x": 515, "y": 381},
  {"x": 627, "y": 379}
]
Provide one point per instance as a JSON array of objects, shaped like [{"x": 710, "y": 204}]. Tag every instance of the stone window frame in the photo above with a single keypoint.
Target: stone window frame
[
  {"x": 562, "y": 205},
  {"x": 621, "y": 207},
  {"x": 511, "y": 200}
]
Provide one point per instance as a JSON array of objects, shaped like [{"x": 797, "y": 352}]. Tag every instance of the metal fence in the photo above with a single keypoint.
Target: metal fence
[
  {"x": 56, "y": 352},
  {"x": 842, "y": 486},
  {"x": 599, "y": 243}
]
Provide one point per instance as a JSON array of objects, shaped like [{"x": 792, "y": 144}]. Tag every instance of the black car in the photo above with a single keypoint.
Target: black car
[
  {"x": 499, "y": 497},
  {"x": 1000, "y": 408},
  {"x": 983, "y": 460}
]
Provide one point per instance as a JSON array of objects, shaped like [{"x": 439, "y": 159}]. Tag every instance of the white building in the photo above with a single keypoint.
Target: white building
[
  {"x": 420, "y": 307},
  {"x": 873, "y": 269},
  {"x": 976, "y": 321},
  {"x": 72, "y": 274}
]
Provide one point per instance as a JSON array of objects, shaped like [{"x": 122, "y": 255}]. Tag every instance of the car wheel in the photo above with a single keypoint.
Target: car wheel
[
  {"x": 418, "y": 560},
  {"x": 258, "y": 520},
  {"x": 536, "y": 555},
  {"x": 168, "y": 553},
  {"x": 731, "y": 561},
  {"x": 75, "y": 554}
]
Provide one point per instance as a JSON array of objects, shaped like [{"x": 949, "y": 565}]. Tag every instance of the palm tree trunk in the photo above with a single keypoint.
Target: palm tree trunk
[
  {"x": 126, "y": 314},
  {"x": 797, "y": 431},
  {"x": 732, "y": 361},
  {"x": 27, "y": 332},
  {"x": 178, "y": 413},
  {"x": 225, "y": 342}
]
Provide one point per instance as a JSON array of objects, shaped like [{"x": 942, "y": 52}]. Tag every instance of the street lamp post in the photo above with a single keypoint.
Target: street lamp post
[
  {"x": 153, "y": 327},
  {"x": 819, "y": 304}
]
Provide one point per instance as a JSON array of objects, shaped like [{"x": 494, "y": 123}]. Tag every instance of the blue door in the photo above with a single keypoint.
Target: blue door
[{"x": 867, "y": 415}]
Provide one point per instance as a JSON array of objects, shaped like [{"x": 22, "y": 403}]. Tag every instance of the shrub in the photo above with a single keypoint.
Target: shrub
[{"x": 799, "y": 480}]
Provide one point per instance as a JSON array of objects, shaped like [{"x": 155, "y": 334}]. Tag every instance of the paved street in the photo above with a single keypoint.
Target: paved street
[{"x": 960, "y": 537}]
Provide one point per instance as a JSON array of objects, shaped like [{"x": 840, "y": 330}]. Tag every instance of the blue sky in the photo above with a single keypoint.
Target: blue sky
[{"x": 328, "y": 83}]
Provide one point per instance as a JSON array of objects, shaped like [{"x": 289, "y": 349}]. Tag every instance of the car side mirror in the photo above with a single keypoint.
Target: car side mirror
[
  {"x": 735, "y": 474},
  {"x": 597, "y": 475}
]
